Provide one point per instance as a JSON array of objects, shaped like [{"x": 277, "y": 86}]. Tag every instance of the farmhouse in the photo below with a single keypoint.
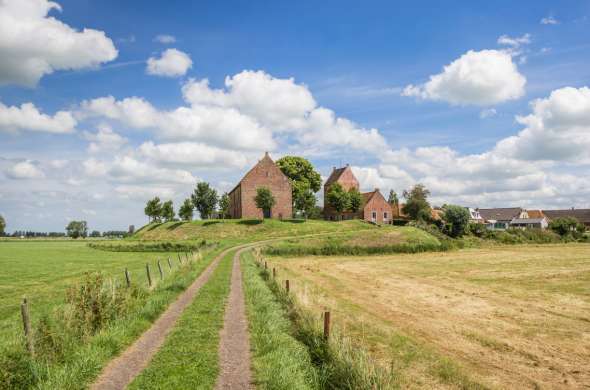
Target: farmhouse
[
  {"x": 374, "y": 207},
  {"x": 500, "y": 218},
  {"x": 264, "y": 174}
]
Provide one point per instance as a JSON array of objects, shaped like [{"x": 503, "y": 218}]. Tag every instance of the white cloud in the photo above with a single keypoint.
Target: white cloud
[
  {"x": 25, "y": 170},
  {"x": 33, "y": 44},
  {"x": 132, "y": 111},
  {"x": 514, "y": 41},
  {"x": 172, "y": 63},
  {"x": 198, "y": 155},
  {"x": 480, "y": 78},
  {"x": 142, "y": 193},
  {"x": 549, "y": 20},
  {"x": 487, "y": 113},
  {"x": 27, "y": 117},
  {"x": 94, "y": 168},
  {"x": 164, "y": 38},
  {"x": 104, "y": 140},
  {"x": 58, "y": 164},
  {"x": 558, "y": 128}
]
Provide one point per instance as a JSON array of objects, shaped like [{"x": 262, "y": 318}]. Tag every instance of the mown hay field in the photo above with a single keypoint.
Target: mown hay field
[{"x": 501, "y": 317}]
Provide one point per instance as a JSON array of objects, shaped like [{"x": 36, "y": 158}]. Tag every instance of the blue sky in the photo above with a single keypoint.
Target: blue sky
[{"x": 329, "y": 81}]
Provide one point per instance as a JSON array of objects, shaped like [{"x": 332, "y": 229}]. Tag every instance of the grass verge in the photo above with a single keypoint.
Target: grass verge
[
  {"x": 279, "y": 360},
  {"x": 69, "y": 359},
  {"x": 189, "y": 357},
  {"x": 155, "y": 246},
  {"x": 337, "y": 363}
]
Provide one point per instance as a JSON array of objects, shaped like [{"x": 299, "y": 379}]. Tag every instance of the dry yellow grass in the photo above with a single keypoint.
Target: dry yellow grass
[{"x": 505, "y": 317}]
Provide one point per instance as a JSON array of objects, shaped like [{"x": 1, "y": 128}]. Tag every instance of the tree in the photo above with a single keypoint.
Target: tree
[
  {"x": 457, "y": 218},
  {"x": 305, "y": 180},
  {"x": 2, "y": 225},
  {"x": 304, "y": 200},
  {"x": 77, "y": 229},
  {"x": 566, "y": 225},
  {"x": 167, "y": 211},
  {"x": 186, "y": 210},
  {"x": 417, "y": 206},
  {"x": 393, "y": 200},
  {"x": 153, "y": 209},
  {"x": 264, "y": 200},
  {"x": 95, "y": 233},
  {"x": 204, "y": 199},
  {"x": 338, "y": 198},
  {"x": 224, "y": 205},
  {"x": 354, "y": 199}
]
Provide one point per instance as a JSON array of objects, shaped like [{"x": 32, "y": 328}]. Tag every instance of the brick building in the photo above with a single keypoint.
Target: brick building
[
  {"x": 374, "y": 206},
  {"x": 264, "y": 174}
]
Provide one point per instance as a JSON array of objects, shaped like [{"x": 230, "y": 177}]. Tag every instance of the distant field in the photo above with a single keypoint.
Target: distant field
[
  {"x": 240, "y": 230},
  {"x": 42, "y": 270},
  {"x": 502, "y": 317}
]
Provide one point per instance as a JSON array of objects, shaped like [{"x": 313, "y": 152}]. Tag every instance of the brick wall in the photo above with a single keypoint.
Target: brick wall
[
  {"x": 379, "y": 205},
  {"x": 264, "y": 174}
]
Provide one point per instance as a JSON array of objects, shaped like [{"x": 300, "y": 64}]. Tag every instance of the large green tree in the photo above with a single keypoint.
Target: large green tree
[
  {"x": 338, "y": 198},
  {"x": 76, "y": 229},
  {"x": 153, "y": 210},
  {"x": 204, "y": 199},
  {"x": 305, "y": 180},
  {"x": 417, "y": 206},
  {"x": 264, "y": 199},
  {"x": 186, "y": 210},
  {"x": 2, "y": 225},
  {"x": 168, "y": 211},
  {"x": 457, "y": 219},
  {"x": 354, "y": 199},
  {"x": 224, "y": 205}
]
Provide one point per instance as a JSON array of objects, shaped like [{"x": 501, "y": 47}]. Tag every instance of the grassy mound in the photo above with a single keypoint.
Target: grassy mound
[
  {"x": 387, "y": 239},
  {"x": 245, "y": 229}
]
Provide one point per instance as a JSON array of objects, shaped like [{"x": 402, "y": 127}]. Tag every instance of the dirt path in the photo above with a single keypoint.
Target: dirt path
[
  {"x": 234, "y": 345},
  {"x": 124, "y": 368}
]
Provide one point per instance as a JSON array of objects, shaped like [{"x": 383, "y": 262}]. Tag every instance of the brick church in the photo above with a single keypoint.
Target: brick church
[
  {"x": 374, "y": 207},
  {"x": 264, "y": 174}
]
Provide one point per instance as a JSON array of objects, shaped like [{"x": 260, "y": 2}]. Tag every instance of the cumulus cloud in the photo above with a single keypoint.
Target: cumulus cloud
[
  {"x": 480, "y": 78},
  {"x": 33, "y": 44},
  {"x": 557, "y": 129},
  {"x": 28, "y": 118},
  {"x": 249, "y": 114},
  {"x": 164, "y": 38},
  {"x": 514, "y": 41},
  {"x": 487, "y": 113},
  {"x": 197, "y": 155},
  {"x": 104, "y": 140},
  {"x": 172, "y": 63},
  {"x": 25, "y": 170}
]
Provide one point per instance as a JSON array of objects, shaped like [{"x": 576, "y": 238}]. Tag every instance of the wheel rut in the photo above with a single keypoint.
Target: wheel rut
[
  {"x": 234, "y": 345},
  {"x": 121, "y": 371}
]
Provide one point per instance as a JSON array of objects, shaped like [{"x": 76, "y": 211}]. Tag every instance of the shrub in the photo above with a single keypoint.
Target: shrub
[
  {"x": 16, "y": 370},
  {"x": 566, "y": 226},
  {"x": 162, "y": 246},
  {"x": 457, "y": 218}
]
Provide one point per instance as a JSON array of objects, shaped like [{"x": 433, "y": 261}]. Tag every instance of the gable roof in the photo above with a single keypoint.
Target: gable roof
[
  {"x": 266, "y": 158},
  {"x": 335, "y": 175},
  {"x": 582, "y": 215},
  {"x": 500, "y": 214}
]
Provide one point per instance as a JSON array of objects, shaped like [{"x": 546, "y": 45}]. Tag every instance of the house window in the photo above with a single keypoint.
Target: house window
[
  {"x": 374, "y": 216},
  {"x": 385, "y": 215}
]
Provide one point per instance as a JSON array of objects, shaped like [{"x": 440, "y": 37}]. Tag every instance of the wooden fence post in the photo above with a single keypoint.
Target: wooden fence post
[
  {"x": 287, "y": 285},
  {"x": 265, "y": 265},
  {"x": 326, "y": 325},
  {"x": 149, "y": 276},
  {"x": 127, "y": 277},
  {"x": 160, "y": 269},
  {"x": 24, "y": 310},
  {"x": 274, "y": 273},
  {"x": 169, "y": 262}
]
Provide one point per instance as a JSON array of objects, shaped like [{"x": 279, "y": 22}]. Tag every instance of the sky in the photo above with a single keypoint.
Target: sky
[{"x": 105, "y": 104}]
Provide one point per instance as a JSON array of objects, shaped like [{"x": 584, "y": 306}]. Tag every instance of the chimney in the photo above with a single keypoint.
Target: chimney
[
  {"x": 376, "y": 189},
  {"x": 266, "y": 154},
  {"x": 333, "y": 169}
]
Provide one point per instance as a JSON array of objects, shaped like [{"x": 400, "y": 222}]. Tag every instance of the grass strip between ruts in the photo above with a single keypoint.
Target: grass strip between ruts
[
  {"x": 189, "y": 356},
  {"x": 279, "y": 361}
]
